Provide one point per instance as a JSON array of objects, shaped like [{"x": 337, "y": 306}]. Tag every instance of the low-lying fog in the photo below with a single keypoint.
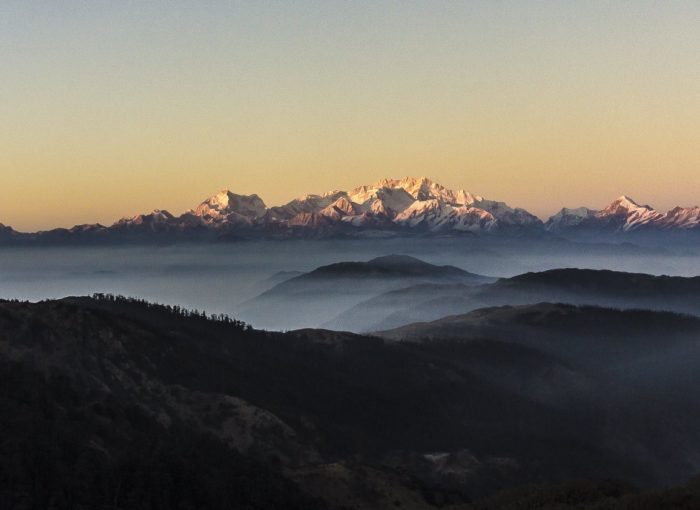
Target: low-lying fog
[{"x": 219, "y": 277}]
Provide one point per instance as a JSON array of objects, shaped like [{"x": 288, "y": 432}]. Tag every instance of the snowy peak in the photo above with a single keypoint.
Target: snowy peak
[
  {"x": 623, "y": 205},
  {"x": 387, "y": 204},
  {"x": 437, "y": 216},
  {"x": 682, "y": 218},
  {"x": 389, "y": 207},
  {"x": 631, "y": 215},
  {"x": 626, "y": 201},
  {"x": 422, "y": 188},
  {"x": 311, "y": 204},
  {"x": 340, "y": 208},
  {"x": 157, "y": 216},
  {"x": 381, "y": 201},
  {"x": 227, "y": 205},
  {"x": 579, "y": 212},
  {"x": 624, "y": 215},
  {"x": 568, "y": 218}
]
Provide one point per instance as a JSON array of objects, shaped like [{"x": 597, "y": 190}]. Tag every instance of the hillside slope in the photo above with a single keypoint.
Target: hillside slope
[
  {"x": 120, "y": 403},
  {"x": 574, "y": 286}
]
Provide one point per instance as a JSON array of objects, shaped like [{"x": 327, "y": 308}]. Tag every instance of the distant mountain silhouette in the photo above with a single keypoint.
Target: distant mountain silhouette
[
  {"x": 392, "y": 266},
  {"x": 312, "y": 298},
  {"x": 575, "y": 286}
]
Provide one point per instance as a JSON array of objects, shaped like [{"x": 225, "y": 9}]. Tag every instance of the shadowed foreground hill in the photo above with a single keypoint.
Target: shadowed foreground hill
[
  {"x": 114, "y": 403},
  {"x": 86, "y": 423},
  {"x": 592, "y": 335}
]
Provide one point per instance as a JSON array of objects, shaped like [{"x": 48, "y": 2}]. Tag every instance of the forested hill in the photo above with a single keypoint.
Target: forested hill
[{"x": 117, "y": 403}]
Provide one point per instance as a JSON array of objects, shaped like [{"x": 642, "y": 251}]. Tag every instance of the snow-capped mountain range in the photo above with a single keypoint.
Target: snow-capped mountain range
[
  {"x": 387, "y": 207},
  {"x": 624, "y": 215},
  {"x": 406, "y": 204}
]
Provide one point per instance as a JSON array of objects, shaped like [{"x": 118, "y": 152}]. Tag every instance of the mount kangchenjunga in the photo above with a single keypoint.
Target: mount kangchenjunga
[{"x": 388, "y": 207}]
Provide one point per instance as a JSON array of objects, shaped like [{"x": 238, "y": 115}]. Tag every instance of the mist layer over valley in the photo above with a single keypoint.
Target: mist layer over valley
[
  {"x": 223, "y": 277},
  {"x": 417, "y": 373}
]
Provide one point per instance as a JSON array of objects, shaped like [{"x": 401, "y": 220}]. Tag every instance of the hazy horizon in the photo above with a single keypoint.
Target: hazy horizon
[{"x": 219, "y": 277}]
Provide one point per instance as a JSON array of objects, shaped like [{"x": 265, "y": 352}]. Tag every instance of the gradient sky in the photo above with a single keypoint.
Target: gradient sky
[{"x": 111, "y": 108}]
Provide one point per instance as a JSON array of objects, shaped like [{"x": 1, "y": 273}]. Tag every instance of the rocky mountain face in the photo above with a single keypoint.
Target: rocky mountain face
[
  {"x": 389, "y": 207},
  {"x": 228, "y": 208},
  {"x": 622, "y": 216},
  {"x": 406, "y": 204}
]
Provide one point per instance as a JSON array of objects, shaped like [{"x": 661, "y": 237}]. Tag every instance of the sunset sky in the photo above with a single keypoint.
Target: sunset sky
[{"x": 112, "y": 108}]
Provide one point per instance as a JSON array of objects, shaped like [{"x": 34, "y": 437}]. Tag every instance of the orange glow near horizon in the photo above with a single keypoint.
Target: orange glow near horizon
[{"x": 114, "y": 111}]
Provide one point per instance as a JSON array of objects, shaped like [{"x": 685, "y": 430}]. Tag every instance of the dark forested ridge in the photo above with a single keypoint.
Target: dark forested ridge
[
  {"x": 116, "y": 403},
  {"x": 614, "y": 289},
  {"x": 80, "y": 428}
]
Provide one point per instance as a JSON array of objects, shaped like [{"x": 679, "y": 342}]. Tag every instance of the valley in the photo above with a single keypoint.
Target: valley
[{"x": 363, "y": 383}]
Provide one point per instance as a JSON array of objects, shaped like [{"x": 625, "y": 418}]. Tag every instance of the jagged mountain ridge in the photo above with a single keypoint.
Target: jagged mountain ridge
[
  {"x": 410, "y": 202},
  {"x": 624, "y": 215},
  {"x": 387, "y": 207},
  {"x": 390, "y": 205},
  {"x": 416, "y": 203}
]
